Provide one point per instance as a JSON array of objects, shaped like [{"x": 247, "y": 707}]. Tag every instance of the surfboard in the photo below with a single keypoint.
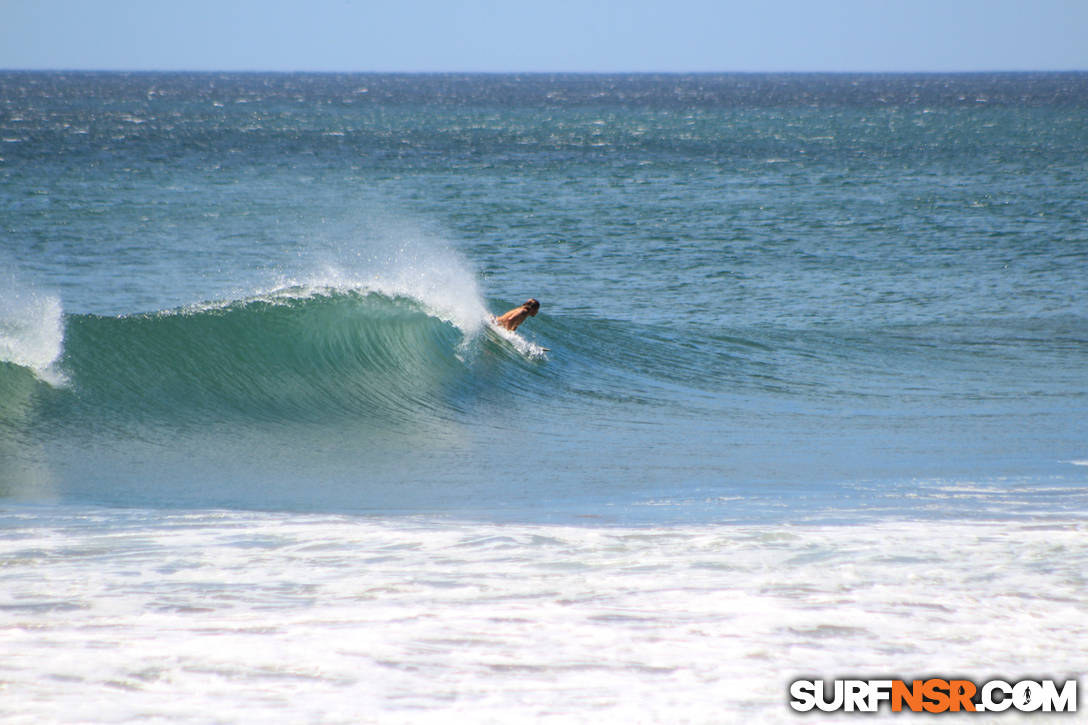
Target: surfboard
[{"x": 520, "y": 344}]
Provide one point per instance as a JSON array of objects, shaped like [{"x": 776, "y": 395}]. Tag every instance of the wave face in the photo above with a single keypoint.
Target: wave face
[
  {"x": 297, "y": 354},
  {"x": 311, "y": 358}
]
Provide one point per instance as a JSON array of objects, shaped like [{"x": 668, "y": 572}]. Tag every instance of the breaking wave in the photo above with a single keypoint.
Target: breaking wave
[{"x": 299, "y": 353}]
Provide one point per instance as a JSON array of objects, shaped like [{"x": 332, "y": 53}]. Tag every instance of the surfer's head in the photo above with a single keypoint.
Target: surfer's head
[{"x": 531, "y": 306}]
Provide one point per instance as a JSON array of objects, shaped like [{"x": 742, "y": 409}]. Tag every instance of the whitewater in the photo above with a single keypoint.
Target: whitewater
[{"x": 805, "y": 398}]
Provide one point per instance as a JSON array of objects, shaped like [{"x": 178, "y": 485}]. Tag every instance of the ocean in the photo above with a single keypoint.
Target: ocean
[{"x": 807, "y": 395}]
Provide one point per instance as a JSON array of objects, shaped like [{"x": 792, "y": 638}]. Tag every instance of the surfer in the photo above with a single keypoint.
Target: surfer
[{"x": 516, "y": 316}]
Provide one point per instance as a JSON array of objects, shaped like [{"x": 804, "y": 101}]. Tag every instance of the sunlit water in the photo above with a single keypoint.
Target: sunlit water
[{"x": 805, "y": 396}]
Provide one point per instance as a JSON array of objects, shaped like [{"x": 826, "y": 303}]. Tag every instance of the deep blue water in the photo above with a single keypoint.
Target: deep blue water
[{"x": 778, "y": 298}]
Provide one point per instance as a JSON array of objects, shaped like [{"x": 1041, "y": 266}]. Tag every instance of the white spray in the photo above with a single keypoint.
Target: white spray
[{"x": 31, "y": 330}]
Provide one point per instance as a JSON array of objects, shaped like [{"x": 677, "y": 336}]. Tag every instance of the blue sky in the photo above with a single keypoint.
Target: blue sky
[{"x": 545, "y": 35}]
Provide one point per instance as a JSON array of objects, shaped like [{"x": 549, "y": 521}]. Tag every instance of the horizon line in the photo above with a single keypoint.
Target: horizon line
[{"x": 991, "y": 71}]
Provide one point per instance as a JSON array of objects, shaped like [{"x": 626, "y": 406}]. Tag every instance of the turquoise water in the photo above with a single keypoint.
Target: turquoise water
[{"x": 768, "y": 302}]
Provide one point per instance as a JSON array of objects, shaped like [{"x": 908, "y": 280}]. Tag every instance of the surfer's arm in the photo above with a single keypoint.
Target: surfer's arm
[{"x": 511, "y": 319}]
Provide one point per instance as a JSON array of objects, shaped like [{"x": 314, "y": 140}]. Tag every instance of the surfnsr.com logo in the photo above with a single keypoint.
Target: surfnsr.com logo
[{"x": 933, "y": 695}]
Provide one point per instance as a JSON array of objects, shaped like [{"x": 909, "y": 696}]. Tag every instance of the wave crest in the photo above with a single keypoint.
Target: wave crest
[{"x": 298, "y": 354}]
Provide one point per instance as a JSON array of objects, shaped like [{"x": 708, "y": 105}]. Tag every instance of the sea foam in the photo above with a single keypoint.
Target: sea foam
[{"x": 32, "y": 331}]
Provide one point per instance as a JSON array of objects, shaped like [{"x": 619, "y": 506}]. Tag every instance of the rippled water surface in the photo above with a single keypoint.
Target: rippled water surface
[{"x": 806, "y": 394}]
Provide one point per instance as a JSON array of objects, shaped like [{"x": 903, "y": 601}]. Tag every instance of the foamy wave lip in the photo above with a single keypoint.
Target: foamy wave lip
[
  {"x": 463, "y": 309},
  {"x": 391, "y": 261},
  {"x": 445, "y": 291},
  {"x": 434, "y": 276},
  {"x": 1079, "y": 462},
  {"x": 32, "y": 334}
]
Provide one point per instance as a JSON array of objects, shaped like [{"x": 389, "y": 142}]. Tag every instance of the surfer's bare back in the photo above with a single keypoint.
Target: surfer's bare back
[{"x": 510, "y": 320}]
